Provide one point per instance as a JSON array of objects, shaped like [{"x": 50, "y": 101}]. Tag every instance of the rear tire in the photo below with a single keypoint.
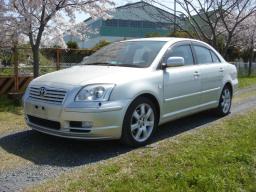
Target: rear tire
[
  {"x": 139, "y": 123},
  {"x": 225, "y": 102}
]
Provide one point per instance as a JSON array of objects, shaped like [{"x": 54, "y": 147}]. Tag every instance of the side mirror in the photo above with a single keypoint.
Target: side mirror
[{"x": 175, "y": 62}]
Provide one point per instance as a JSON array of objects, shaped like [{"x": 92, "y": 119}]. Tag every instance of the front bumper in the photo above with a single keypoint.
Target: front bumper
[{"x": 105, "y": 120}]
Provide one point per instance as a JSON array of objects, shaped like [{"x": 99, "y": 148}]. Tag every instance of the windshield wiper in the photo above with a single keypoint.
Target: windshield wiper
[
  {"x": 118, "y": 65},
  {"x": 100, "y": 63},
  {"x": 130, "y": 65}
]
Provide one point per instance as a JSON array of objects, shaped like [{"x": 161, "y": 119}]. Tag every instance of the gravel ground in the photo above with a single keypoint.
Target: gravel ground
[{"x": 52, "y": 156}]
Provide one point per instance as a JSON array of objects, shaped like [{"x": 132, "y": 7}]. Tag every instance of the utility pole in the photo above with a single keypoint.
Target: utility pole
[{"x": 175, "y": 18}]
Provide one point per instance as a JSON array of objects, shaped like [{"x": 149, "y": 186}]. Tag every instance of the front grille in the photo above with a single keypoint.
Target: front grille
[
  {"x": 49, "y": 95},
  {"x": 44, "y": 122}
]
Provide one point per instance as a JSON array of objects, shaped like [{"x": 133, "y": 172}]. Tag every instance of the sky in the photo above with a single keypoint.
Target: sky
[{"x": 81, "y": 17}]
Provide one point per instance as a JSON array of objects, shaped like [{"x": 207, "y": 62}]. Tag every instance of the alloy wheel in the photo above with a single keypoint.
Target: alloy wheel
[
  {"x": 142, "y": 122},
  {"x": 225, "y": 100}
]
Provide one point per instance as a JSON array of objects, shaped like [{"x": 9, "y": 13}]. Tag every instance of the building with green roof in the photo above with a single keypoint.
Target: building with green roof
[{"x": 134, "y": 20}]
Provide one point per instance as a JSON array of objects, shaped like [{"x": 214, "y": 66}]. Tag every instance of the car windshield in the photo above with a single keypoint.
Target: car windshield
[{"x": 126, "y": 54}]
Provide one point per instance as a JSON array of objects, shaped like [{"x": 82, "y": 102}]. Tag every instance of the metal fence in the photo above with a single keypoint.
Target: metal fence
[
  {"x": 51, "y": 59},
  {"x": 243, "y": 68}
]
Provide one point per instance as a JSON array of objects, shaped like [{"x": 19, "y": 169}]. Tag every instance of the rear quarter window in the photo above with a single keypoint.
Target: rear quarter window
[{"x": 215, "y": 58}]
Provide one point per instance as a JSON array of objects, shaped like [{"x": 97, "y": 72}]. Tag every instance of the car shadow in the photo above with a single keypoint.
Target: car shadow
[{"x": 49, "y": 150}]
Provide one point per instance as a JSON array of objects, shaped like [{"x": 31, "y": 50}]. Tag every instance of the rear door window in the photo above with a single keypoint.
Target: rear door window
[{"x": 202, "y": 54}]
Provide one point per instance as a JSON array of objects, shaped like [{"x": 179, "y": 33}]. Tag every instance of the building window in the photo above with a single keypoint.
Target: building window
[
  {"x": 111, "y": 23},
  {"x": 136, "y": 24},
  {"x": 162, "y": 25},
  {"x": 148, "y": 24},
  {"x": 123, "y": 23}
]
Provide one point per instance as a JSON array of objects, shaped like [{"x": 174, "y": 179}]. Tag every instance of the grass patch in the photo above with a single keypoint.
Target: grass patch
[
  {"x": 8, "y": 105},
  {"x": 11, "y": 120},
  {"x": 11, "y": 116},
  {"x": 244, "y": 96},
  {"x": 217, "y": 158},
  {"x": 247, "y": 81},
  {"x": 10, "y": 161}
]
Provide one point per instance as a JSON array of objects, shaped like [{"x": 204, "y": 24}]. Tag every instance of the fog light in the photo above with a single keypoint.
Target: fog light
[
  {"x": 87, "y": 124},
  {"x": 81, "y": 124}
]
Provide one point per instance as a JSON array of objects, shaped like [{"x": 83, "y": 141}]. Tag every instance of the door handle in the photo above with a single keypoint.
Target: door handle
[{"x": 221, "y": 70}]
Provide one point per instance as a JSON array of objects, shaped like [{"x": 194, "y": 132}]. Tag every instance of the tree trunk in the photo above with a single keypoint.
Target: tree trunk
[
  {"x": 227, "y": 45},
  {"x": 225, "y": 49},
  {"x": 250, "y": 61},
  {"x": 36, "y": 61},
  {"x": 16, "y": 67}
]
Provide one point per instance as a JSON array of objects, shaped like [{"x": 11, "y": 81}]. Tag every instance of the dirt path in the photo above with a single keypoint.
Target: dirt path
[{"x": 49, "y": 156}]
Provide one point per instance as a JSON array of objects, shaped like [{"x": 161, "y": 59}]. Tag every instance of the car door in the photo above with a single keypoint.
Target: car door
[
  {"x": 181, "y": 84},
  {"x": 210, "y": 73}
]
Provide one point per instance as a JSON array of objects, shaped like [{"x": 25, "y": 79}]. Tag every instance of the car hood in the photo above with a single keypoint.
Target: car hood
[{"x": 82, "y": 75}]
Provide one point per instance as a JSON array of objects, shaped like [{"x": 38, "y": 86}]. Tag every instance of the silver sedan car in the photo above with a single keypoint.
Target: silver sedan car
[{"x": 127, "y": 89}]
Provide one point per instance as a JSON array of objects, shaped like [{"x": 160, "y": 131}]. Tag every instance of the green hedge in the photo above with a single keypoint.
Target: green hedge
[{"x": 68, "y": 55}]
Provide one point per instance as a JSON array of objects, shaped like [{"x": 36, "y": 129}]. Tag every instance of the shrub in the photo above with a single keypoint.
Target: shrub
[
  {"x": 233, "y": 53},
  {"x": 182, "y": 34},
  {"x": 154, "y": 34},
  {"x": 72, "y": 45},
  {"x": 75, "y": 56},
  {"x": 245, "y": 55},
  {"x": 100, "y": 44}
]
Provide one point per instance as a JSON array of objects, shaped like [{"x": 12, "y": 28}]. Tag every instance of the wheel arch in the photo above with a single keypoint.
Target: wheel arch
[
  {"x": 229, "y": 84},
  {"x": 153, "y": 99}
]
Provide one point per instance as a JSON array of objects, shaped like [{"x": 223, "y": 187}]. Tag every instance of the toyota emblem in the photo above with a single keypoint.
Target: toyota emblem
[{"x": 42, "y": 91}]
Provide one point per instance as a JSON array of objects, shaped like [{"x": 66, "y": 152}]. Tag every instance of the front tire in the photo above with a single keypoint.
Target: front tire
[
  {"x": 225, "y": 102},
  {"x": 139, "y": 123}
]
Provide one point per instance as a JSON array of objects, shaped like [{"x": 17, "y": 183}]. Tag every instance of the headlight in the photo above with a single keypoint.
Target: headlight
[{"x": 95, "y": 92}]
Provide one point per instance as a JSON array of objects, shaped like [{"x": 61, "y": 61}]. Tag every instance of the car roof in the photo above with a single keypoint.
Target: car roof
[{"x": 167, "y": 39}]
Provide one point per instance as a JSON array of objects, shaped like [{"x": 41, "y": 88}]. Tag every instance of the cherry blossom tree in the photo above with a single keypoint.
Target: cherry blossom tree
[
  {"x": 211, "y": 20},
  {"x": 233, "y": 21},
  {"x": 48, "y": 20},
  {"x": 5, "y": 34},
  {"x": 246, "y": 37}
]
